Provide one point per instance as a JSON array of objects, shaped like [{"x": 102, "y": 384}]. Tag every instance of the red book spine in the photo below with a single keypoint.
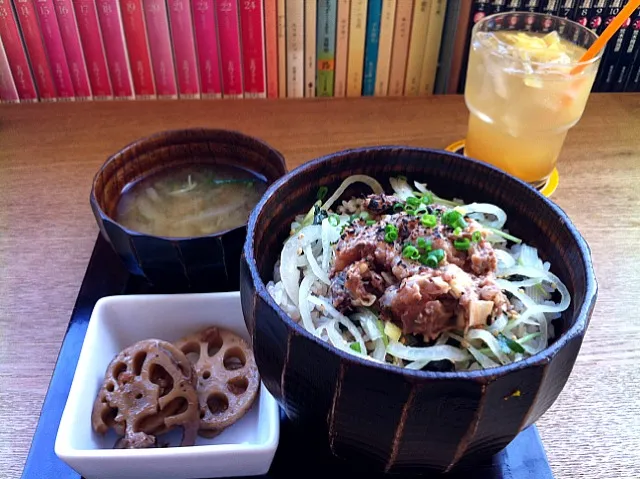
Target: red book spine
[
  {"x": 16, "y": 54},
  {"x": 271, "y": 46},
  {"x": 45, "y": 9},
  {"x": 115, "y": 48},
  {"x": 155, "y": 14},
  {"x": 251, "y": 20},
  {"x": 229, "y": 40},
  {"x": 94, "y": 55},
  {"x": 8, "y": 92},
  {"x": 184, "y": 48},
  {"x": 73, "y": 49},
  {"x": 135, "y": 33},
  {"x": 35, "y": 48},
  {"x": 204, "y": 26}
]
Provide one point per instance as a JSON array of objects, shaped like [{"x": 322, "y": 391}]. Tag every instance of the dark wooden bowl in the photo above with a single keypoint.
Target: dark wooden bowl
[
  {"x": 382, "y": 416},
  {"x": 208, "y": 262}
]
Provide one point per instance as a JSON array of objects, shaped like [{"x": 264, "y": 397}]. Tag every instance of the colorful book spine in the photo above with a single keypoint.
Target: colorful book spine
[
  {"x": 271, "y": 46},
  {"x": 400, "y": 50},
  {"x": 630, "y": 53},
  {"x": 16, "y": 54},
  {"x": 135, "y": 33},
  {"x": 94, "y": 55},
  {"x": 342, "y": 48},
  {"x": 157, "y": 21},
  {"x": 184, "y": 48},
  {"x": 479, "y": 10},
  {"x": 566, "y": 10},
  {"x": 371, "y": 47},
  {"x": 8, "y": 91},
  {"x": 498, "y": 6},
  {"x": 204, "y": 27},
  {"x": 326, "y": 47},
  {"x": 549, "y": 7},
  {"x": 613, "y": 50},
  {"x": 310, "y": 27},
  {"x": 295, "y": 48},
  {"x": 253, "y": 48},
  {"x": 417, "y": 44},
  {"x": 50, "y": 30},
  {"x": 448, "y": 48},
  {"x": 432, "y": 48},
  {"x": 115, "y": 48},
  {"x": 282, "y": 48},
  {"x": 229, "y": 41},
  {"x": 357, "y": 36},
  {"x": 387, "y": 21},
  {"x": 73, "y": 49},
  {"x": 531, "y": 6},
  {"x": 633, "y": 84}
]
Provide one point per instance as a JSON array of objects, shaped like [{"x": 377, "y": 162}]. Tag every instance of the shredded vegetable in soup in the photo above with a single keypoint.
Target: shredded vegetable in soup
[
  {"x": 415, "y": 280},
  {"x": 195, "y": 200}
]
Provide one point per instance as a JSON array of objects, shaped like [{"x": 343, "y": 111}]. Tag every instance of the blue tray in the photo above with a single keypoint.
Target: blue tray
[{"x": 524, "y": 458}]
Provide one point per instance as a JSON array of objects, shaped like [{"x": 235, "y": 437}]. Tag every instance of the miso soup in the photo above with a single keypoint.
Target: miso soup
[{"x": 193, "y": 200}]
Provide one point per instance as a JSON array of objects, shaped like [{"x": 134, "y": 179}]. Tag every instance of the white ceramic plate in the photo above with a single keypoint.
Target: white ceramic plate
[{"x": 245, "y": 448}]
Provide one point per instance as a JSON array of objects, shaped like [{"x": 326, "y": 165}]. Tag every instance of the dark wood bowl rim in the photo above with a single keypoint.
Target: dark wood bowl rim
[
  {"x": 169, "y": 135},
  {"x": 483, "y": 375}
]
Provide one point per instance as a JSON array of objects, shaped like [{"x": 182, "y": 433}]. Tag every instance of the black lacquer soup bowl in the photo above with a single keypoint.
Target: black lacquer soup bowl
[
  {"x": 381, "y": 416},
  {"x": 206, "y": 263}
]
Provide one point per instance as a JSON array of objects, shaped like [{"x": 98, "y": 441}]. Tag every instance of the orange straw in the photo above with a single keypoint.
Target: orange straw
[{"x": 609, "y": 32}]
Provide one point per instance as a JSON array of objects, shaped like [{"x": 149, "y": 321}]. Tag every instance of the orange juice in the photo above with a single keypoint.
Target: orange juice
[{"x": 522, "y": 97}]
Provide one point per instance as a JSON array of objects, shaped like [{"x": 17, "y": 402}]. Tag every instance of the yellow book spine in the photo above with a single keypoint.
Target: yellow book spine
[
  {"x": 384, "y": 47},
  {"x": 417, "y": 44},
  {"x": 310, "y": 20},
  {"x": 400, "y": 48},
  {"x": 295, "y": 48},
  {"x": 432, "y": 51},
  {"x": 357, "y": 35},
  {"x": 342, "y": 48},
  {"x": 282, "y": 49}
]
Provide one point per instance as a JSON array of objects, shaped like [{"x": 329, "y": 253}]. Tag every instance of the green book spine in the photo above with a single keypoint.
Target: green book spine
[{"x": 326, "y": 47}]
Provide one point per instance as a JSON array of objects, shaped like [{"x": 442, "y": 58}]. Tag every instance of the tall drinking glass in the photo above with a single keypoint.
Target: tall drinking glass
[{"x": 522, "y": 92}]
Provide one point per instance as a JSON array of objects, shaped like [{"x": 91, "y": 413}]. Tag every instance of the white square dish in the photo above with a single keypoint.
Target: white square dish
[{"x": 245, "y": 448}]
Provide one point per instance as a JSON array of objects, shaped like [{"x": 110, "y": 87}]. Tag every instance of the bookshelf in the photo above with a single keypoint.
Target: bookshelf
[{"x": 71, "y": 50}]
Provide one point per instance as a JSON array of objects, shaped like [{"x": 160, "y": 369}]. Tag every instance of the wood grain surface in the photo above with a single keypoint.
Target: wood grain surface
[{"x": 49, "y": 154}]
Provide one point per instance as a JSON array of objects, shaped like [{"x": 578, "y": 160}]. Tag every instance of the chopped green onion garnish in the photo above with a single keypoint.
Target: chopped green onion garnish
[
  {"x": 476, "y": 237},
  {"x": 391, "y": 236},
  {"x": 431, "y": 261},
  {"x": 454, "y": 219},
  {"x": 427, "y": 198},
  {"x": 429, "y": 220},
  {"x": 364, "y": 215},
  {"x": 457, "y": 231},
  {"x": 333, "y": 220},
  {"x": 424, "y": 244},
  {"x": 355, "y": 347},
  {"x": 412, "y": 201},
  {"x": 410, "y": 252},
  {"x": 511, "y": 344},
  {"x": 354, "y": 217},
  {"x": 462, "y": 244},
  {"x": 506, "y": 236},
  {"x": 434, "y": 258},
  {"x": 398, "y": 207},
  {"x": 371, "y": 222},
  {"x": 389, "y": 227},
  {"x": 322, "y": 193}
]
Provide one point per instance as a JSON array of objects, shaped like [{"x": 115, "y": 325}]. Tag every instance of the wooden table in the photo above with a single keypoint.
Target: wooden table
[{"x": 50, "y": 152}]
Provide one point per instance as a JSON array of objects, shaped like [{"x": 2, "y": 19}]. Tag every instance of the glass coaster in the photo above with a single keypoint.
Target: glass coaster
[{"x": 548, "y": 188}]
